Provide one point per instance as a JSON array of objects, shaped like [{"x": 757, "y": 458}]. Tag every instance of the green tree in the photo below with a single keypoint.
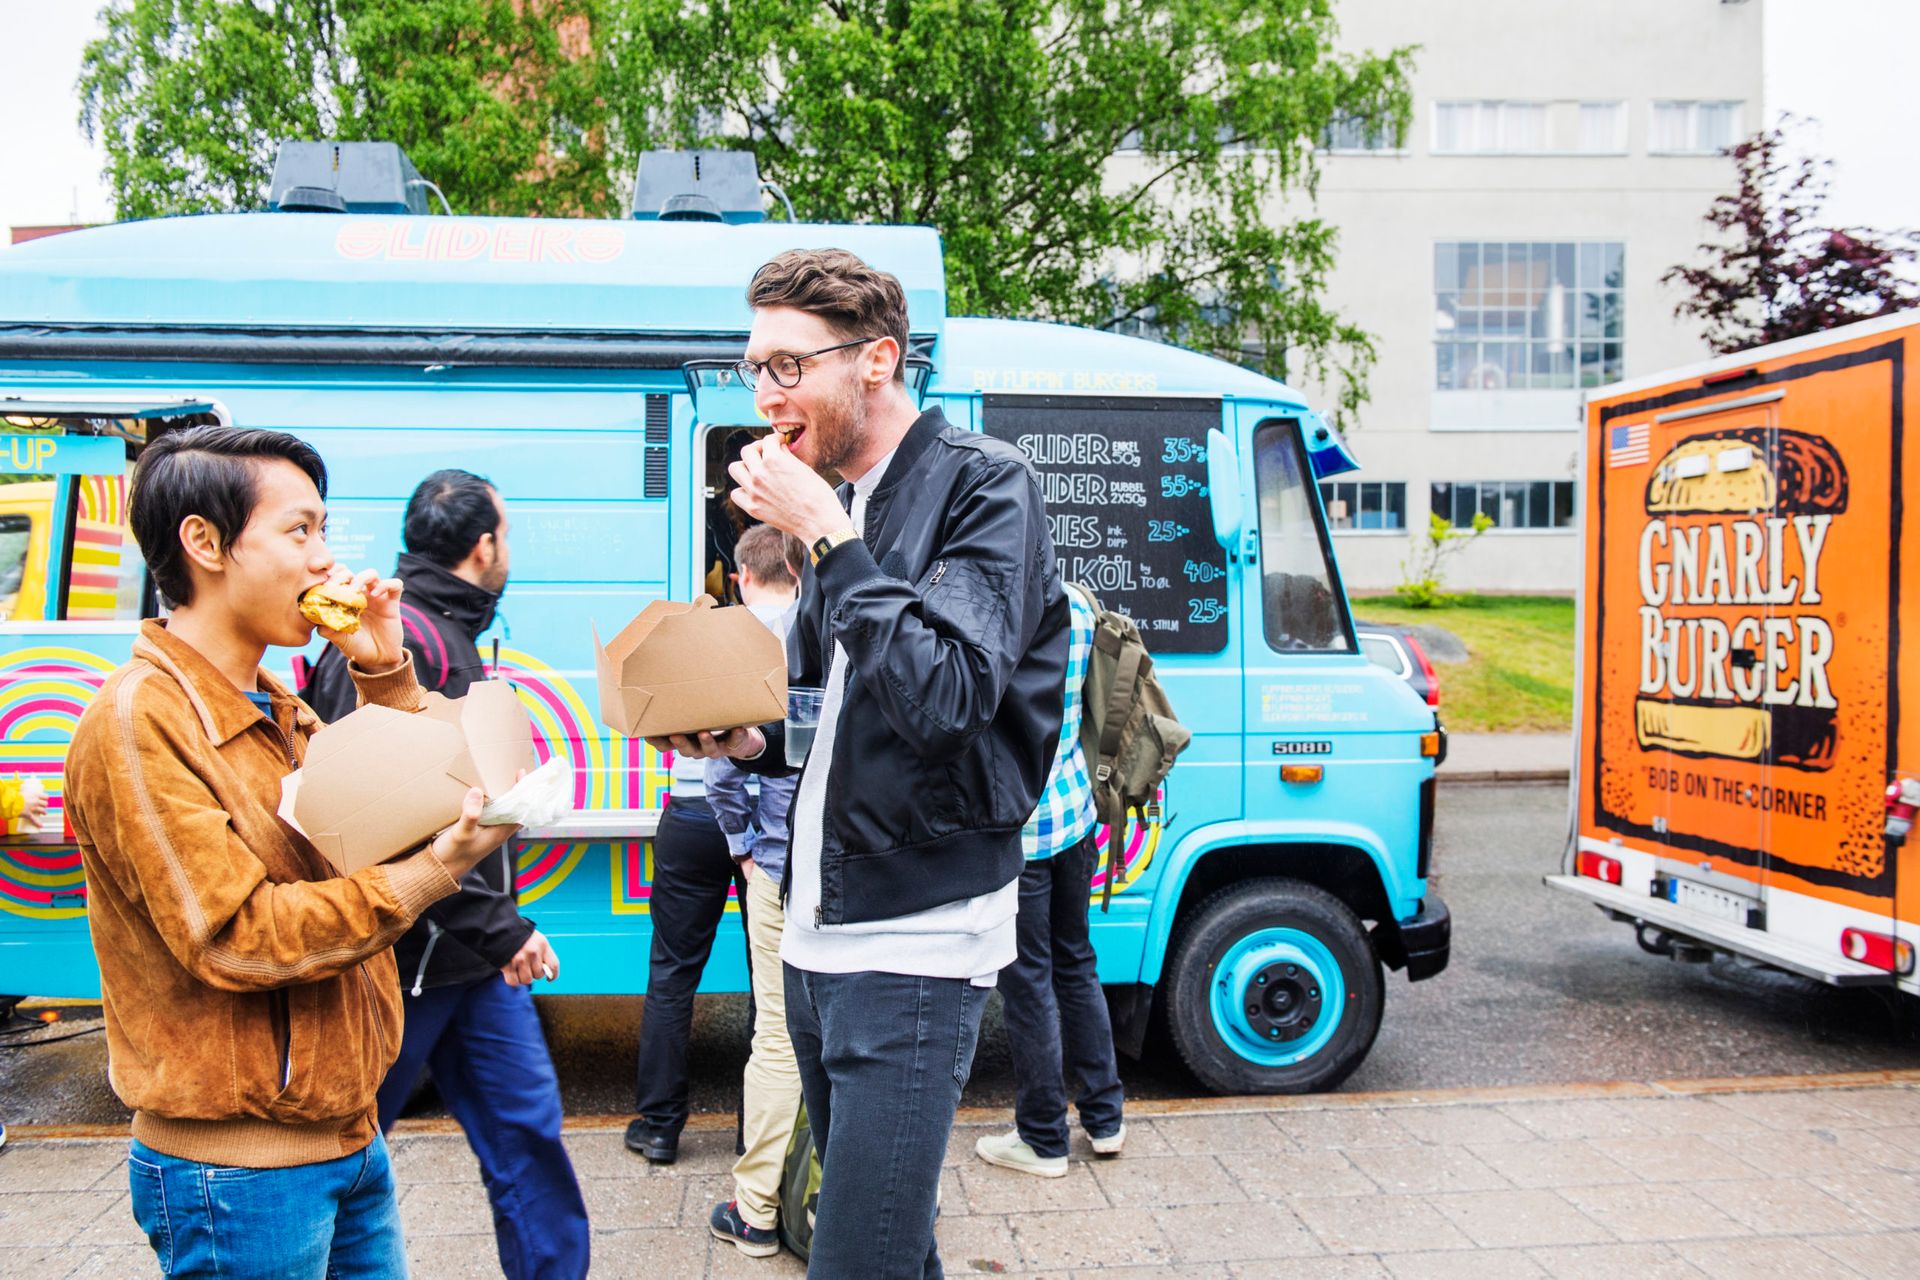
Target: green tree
[
  {"x": 1134, "y": 166},
  {"x": 1145, "y": 166},
  {"x": 493, "y": 99},
  {"x": 1773, "y": 270}
]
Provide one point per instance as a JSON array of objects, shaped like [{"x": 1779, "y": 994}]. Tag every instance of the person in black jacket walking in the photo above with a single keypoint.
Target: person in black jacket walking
[
  {"x": 934, "y": 618},
  {"x": 468, "y": 966}
]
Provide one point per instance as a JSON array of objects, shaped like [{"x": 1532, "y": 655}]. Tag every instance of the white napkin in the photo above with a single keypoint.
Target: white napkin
[{"x": 540, "y": 799}]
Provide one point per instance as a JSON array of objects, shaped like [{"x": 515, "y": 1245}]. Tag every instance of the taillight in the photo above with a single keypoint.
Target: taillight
[
  {"x": 1426, "y": 668},
  {"x": 1597, "y": 866},
  {"x": 1878, "y": 950}
]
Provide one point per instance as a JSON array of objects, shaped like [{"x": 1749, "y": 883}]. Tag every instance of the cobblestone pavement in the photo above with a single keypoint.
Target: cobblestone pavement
[{"x": 1808, "y": 1177}]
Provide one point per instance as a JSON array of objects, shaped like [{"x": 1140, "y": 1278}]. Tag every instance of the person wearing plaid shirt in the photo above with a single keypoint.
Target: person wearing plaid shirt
[{"x": 1057, "y": 1023}]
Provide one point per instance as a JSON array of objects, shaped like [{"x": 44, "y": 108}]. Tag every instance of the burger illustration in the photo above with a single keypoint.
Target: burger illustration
[{"x": 1735, "y": 644}]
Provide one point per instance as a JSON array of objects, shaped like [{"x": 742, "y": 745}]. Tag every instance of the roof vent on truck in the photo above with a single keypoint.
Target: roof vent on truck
[
  {"x": 346, "y": 177},
  {"x": 701, "y": 186}
]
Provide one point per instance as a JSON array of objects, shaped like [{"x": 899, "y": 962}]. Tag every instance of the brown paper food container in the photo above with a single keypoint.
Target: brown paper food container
[
  {"x": 682, "y": 668},
  {"x": 381, "y": 782}
]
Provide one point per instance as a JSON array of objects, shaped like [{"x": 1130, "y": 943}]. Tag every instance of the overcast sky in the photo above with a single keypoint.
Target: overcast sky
[{"x": 1847, "y": 63}]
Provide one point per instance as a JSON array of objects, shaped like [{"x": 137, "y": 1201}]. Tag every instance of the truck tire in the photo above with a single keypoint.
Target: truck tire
[{"x": 1273, "y": 987}]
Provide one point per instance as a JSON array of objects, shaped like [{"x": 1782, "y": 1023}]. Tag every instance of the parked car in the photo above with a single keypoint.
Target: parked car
[{"x": 1399, "y": 650}]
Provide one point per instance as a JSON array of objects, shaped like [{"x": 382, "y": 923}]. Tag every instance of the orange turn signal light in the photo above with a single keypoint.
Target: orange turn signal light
[
  {"x": 1301, "y": 773},
  {"x": 1430, "y": 744}
]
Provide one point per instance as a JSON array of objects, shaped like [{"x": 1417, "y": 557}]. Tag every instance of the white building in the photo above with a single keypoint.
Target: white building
[{"x": 1561, "y": 159}]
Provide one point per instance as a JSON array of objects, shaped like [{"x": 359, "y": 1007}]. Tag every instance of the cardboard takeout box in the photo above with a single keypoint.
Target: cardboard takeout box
[
  {"x": 381, "y": 782},
  {"x": 681, "y": 668}
]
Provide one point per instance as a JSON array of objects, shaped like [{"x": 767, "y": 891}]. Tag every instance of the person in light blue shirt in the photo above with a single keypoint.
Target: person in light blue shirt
[
  {"x": 1057, "y": 1022},
  {"x": 752, "y": 813}
]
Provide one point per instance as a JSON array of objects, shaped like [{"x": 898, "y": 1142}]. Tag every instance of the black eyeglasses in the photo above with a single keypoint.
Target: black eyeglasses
[{"x": 783, "y": 368}]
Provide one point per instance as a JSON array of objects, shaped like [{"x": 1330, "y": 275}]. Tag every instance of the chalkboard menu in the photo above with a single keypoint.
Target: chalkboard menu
[{"x": 1125, "y": 480}]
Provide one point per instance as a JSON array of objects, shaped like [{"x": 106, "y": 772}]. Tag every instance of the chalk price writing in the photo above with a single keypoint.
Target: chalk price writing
[
  {"x": 1204, "y": 611},
  {"x": 1202, "y": 571},
  {"x": 1181, "y": 449},
  {"x": 1180, "y": 487},
  {"x": 1166, "y": 531}
]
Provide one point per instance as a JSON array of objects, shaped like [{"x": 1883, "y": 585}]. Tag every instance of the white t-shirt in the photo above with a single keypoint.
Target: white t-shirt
[{"x": 973, "y": 938}]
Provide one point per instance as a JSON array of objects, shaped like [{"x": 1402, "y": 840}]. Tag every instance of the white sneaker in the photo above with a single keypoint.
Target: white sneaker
[
  {"x": 1111, "y": 1144},
  {"x": 1009, "y": 1152}
]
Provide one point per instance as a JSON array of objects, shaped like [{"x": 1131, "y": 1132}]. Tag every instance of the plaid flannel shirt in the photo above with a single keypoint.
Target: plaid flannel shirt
[{"x": 1066, "y": 813}]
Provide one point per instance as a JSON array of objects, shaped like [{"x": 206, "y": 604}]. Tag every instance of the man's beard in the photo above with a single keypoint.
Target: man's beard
[{"x": 839, "y": 428}]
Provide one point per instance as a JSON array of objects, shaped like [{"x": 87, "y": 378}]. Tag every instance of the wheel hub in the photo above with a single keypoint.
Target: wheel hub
[
  {"x": 1283, "y": 1003},
  {"x": 1278, "y": 996}
]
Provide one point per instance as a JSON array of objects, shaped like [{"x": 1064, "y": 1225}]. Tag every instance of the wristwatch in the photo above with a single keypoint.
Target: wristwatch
[{"x": 823, "y": 545}]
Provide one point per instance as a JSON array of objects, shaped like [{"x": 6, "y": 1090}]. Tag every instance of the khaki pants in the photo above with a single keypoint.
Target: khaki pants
[{"x": 772, "y": 1080}]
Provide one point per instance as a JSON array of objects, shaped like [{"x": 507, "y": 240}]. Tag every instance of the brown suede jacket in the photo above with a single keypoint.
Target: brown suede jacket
[{"x": 251, "y": 1001}]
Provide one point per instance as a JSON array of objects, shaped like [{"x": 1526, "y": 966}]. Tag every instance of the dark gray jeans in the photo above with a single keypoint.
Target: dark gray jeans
[
  {"x": 883, "y": 1058},
  {"x": 1057, "y": 1023}
]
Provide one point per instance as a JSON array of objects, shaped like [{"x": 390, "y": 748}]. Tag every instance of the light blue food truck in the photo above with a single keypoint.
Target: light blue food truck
[{"x": 582, "y": 366}]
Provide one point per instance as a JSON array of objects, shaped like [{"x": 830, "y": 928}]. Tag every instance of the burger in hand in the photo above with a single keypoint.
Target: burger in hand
[{"x": 335, "y": 606}]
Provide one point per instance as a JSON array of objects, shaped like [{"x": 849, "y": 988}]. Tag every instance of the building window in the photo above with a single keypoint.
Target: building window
[
  {"x": 1694, "y": 128},
  {"x": 1359, "y": 133},
  {"x": 1602, "y": 128},
  {"x": 1365, "y": 505},
  {"x": 1529, "y": 128},
  {"x": 1510, "y": 504},
  {"x": 1520, "y": 315},
  {"x": 1465, "y": 128}
]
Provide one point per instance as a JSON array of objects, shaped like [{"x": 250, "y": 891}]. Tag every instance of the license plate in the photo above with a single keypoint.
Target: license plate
[{"x": 1708, "y": 901}]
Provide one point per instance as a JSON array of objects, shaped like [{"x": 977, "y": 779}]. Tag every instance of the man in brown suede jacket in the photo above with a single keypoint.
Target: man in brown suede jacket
[{"x": 251, "y": 1001}]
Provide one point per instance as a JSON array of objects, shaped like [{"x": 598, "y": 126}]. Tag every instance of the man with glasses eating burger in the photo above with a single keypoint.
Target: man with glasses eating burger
[{"x": 932, "y": 615}]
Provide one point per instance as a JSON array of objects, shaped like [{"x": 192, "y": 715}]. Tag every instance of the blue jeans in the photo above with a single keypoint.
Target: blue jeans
[
  {"x": 1057, "y": 1023},
  {"x": 882, "y": 1059},
  {"x": 337, "y": 1220},
  {"x": 489, "y": 1060}
]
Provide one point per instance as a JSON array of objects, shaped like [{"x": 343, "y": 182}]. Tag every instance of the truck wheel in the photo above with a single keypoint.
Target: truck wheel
[{"x": 1273, "y": 987}]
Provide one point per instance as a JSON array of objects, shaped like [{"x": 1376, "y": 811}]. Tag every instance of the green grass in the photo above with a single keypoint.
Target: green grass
[{"x": 1519, "y": 676}]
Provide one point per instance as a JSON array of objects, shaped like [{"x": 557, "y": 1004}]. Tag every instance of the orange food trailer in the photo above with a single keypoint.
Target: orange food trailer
[{"x": 1743, "y": 776}]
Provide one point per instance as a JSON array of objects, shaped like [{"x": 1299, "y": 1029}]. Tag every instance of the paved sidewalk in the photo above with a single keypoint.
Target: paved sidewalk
[
  {"x": 1507, "y": 757},
  {"x": 1810, "y": 1178}
]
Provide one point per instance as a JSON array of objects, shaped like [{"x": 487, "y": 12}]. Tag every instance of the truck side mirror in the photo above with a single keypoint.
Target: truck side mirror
[{"x": 1223, "y": 488}]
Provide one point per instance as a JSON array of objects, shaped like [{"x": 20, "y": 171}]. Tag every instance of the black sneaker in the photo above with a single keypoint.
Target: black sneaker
[
  {"x": 728, "y": 1225},
  {"x": 657, "y": 1147}
]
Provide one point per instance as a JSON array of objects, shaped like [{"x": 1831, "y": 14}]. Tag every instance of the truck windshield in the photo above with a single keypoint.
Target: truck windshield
[{"x": 1299, "y": 605}]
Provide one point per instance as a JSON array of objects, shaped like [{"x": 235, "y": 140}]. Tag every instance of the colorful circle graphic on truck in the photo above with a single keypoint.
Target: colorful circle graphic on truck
[{"x": 43, "y": 690}]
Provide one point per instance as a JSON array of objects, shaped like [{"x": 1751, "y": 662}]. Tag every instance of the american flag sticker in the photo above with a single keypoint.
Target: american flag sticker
[{"x": 1628, "y": 445}]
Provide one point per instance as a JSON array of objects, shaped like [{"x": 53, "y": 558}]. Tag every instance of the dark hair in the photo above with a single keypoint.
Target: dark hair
[
  {"x": 762, "y": 552},
  {"x": 855, "y": 300},
  {"x": 447, "y": 514},
  {"x": 210, "y": 472}
]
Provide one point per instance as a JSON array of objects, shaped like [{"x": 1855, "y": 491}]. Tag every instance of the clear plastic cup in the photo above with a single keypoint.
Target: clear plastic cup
[{"x": 803, "y": 721}]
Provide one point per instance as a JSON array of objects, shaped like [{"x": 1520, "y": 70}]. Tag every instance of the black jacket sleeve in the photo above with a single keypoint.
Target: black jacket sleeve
[
  {"x": 938, "y": 656},
  {"x": 481, "y": 917},
  {"x": 330, "y": 689}
]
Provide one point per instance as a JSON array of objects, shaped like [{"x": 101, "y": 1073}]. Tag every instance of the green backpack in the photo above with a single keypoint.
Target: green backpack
[
  {"x": 1128, "y": 730},
  {"x": 799, "y": 1188}
]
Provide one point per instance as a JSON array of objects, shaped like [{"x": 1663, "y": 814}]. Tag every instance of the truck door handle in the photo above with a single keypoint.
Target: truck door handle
[{"x": 1745, "y": 659}]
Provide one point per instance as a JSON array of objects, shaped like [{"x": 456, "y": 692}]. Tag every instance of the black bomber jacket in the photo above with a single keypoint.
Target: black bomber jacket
[{"x": 954, "y": 623}]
